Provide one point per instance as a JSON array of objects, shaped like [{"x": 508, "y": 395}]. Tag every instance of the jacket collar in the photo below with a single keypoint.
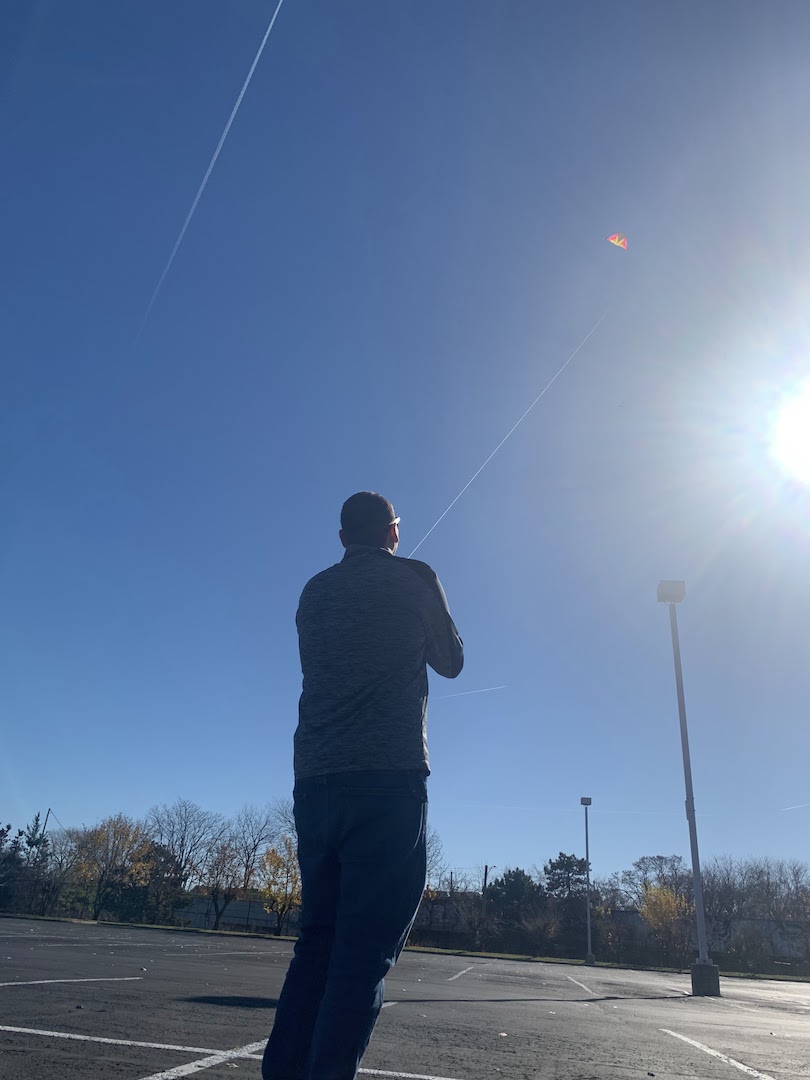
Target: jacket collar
[{"x": 353, "y": 550}]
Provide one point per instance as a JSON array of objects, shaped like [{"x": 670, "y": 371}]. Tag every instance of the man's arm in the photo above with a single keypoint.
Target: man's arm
[{"x": 445, "y": 649}]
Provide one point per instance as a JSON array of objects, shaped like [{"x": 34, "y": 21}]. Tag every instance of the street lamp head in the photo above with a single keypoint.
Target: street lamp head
[
  {"x": 584, "y": 801},
  {"x": 671, "y": 592}
]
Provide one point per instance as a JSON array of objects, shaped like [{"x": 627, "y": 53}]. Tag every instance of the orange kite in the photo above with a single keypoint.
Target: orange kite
[{"x": 619, "y": 239}]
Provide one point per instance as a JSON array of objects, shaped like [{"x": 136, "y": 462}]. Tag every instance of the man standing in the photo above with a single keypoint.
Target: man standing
[{"x": 366, "y": 627}]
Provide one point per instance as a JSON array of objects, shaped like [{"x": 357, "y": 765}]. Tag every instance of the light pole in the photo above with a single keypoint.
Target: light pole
[
  {"x": 487, "y": 869},
  {"x": 705, "y": 974},
  {"x": 589, "y": 957}
]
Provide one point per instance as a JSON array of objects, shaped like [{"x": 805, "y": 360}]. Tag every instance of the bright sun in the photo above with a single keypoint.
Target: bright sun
[{"x": 790, "y": 443}]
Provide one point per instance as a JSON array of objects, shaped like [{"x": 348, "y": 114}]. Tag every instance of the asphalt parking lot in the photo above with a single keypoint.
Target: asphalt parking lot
[{"x": 80, "y": 1001}]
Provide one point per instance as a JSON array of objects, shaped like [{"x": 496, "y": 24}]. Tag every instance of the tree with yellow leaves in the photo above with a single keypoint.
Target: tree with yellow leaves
[
  {"x": 111, "y": 856},
  {"x": 668, "y": 914},
  {"x": 280, "y": 879}
]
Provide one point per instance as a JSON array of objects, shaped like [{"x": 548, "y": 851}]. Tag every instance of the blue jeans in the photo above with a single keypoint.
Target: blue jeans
[{"x": 361, "y": 847}]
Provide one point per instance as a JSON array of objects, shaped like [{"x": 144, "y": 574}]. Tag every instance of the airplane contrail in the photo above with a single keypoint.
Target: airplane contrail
[
  {"x": 207, "y": 176},
  {"x": 801, "y": 806},
  {"x": 514, "y": 427}
]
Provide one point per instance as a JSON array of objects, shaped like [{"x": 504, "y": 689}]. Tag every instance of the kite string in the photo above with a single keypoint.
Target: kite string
[
  {"x": 466, "y": 693},
  {"x": 514, "y": 427},
  {"x": 207, "y": 175}
]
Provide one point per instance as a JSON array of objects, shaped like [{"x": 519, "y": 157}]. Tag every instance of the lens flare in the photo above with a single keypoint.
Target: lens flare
[{"x": 790, "y": 443}]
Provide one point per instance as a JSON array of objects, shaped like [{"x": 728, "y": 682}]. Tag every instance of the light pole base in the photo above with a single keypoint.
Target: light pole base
[
  {"x": 590, "y": 959},
  {"x": 705, "y": 980}
]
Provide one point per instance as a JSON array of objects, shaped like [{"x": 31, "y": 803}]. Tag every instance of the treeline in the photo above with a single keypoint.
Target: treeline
[
  {"x": 757, "y": 910},
  {"x": 146, "y": 871},
  {"x": 156, "y": 869}
]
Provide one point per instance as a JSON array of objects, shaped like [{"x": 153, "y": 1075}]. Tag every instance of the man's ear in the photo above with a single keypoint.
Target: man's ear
[{"x": 342, "y": 538}]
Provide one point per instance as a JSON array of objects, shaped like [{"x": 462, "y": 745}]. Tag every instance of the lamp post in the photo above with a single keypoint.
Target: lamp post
[
  {"x": 487, "y": 869},
  {"x": 705, "y": 974},
  {"x": 589, "y": 957}
]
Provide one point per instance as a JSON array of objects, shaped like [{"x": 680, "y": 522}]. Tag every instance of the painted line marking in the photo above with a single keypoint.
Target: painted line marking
[
  {"x": 108, "y": 1042},
  {"x": 378, "y": 1072},
  {"x": 220, "y": 1057},
  {"x": 215, "y": 1057},
  {"x": 587, "y": 989},
  {"x": 678, "y": 990},
  {"x": 723, "y": 1057},
  {"x": 389, "y": 1004},
  {"x": 451, "y": 979},
  {"x": 43, "y": 982}
]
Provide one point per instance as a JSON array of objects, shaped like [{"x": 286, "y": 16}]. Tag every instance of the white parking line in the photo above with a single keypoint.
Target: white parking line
[
  {"x": 214, "y": 1057},
  {"x": 108, "y": 1042},
  {"x": 678, "y": 990},
  {"x": 379, "y": 1072},
  {"x": 458, "y": 976},
  {"x": 218, "y": 1058},
  {"x": 587, "y": 989},
  {"x": 723, "y": 1057},
  {"x": 43, "y": 982},
  {"x": 388, "y": 1004}
]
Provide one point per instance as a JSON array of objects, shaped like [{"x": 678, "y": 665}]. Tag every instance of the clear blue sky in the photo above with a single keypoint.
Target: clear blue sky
[{"x": 402, "y": 241}]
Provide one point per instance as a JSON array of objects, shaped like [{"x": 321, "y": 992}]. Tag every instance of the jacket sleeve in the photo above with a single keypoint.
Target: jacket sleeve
[{"x": 445, "y": 649}]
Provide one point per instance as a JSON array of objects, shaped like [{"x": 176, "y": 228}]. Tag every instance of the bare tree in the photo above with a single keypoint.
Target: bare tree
[
  {"x": 222, "y": 873},
  {"x": 283, "y": 811},
  {"x": 187, "y": 832},
  {"x": 468, "y": 901},
  {"x": 724, "y": 888},
  {"x": 777, "y": 889},
  {"x": 667, "y": 871},
  {"x": 254, "y": 828},
  {"x": 63, "y": 855},
  {"x": 611, "y": 893},
  {"x": 436, "y": 864}
]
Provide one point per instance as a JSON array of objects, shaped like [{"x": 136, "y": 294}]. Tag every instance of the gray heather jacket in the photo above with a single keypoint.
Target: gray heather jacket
[{"x": 366, "y": 628}]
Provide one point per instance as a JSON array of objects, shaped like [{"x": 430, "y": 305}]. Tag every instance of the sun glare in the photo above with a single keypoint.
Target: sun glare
[{"x": 790, "y": 444}]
